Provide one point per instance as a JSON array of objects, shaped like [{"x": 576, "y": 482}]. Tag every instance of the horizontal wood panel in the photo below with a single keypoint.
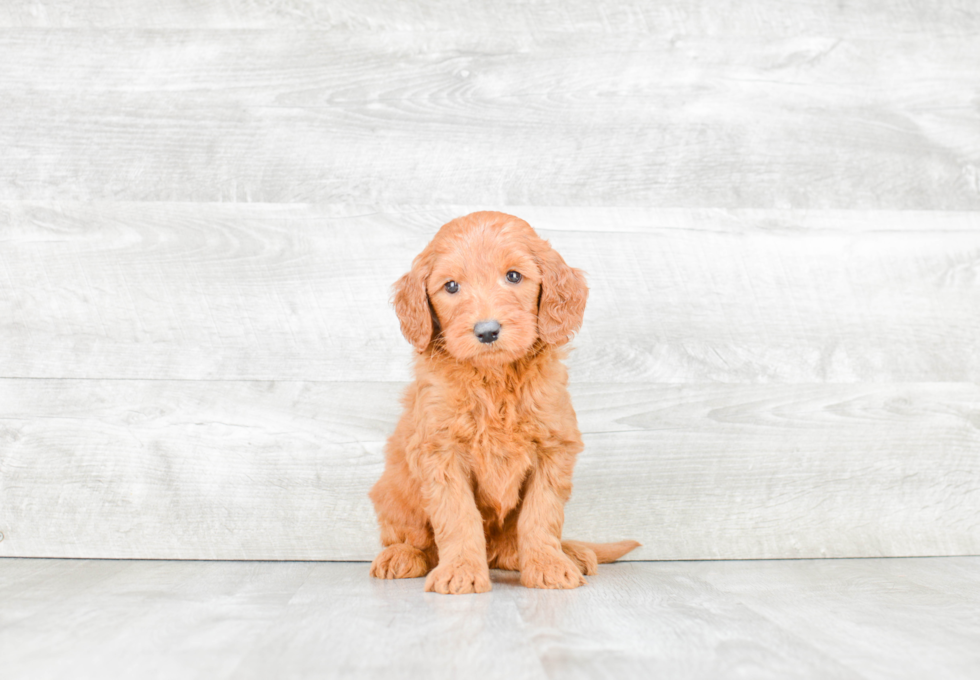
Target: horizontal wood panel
[
  {"x": 280, "y": 470},
  {"x": 500, "y": 119},
  {"x": 301, "y": 292},
  {"x": 759, "y": 17},
  {"x": 440, "y": 77}
]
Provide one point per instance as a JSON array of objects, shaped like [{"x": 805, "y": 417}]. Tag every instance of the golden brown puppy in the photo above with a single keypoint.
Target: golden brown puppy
[{"x": 480, "y": 465}]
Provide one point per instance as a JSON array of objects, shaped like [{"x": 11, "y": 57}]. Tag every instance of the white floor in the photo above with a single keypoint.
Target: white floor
[{"x": 864, "y": 618}]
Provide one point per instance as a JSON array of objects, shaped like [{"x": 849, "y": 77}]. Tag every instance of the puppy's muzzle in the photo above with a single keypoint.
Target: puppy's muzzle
[{"x": 487, "y": 331}]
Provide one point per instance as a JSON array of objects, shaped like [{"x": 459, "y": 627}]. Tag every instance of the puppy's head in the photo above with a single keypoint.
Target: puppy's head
[{"x": 490, "y": 287}]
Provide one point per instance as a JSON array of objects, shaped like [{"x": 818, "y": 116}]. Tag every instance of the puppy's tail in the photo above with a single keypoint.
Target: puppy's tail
[{"x": 588, "y": 555}]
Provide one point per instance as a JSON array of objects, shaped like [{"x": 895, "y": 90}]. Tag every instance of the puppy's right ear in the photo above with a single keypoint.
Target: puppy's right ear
[{"x": 412, "y": 307}]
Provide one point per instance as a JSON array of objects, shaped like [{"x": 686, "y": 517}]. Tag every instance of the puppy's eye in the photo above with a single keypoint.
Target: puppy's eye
[
  {"x": 514, "y": 277},
  {"x": 452, "y": 287}
]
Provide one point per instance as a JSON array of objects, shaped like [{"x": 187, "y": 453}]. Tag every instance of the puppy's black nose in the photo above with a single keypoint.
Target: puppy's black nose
[{"x": 487, "y": 331}]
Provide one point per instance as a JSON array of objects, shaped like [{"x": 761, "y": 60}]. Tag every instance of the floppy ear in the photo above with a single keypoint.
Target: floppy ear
[
  {"x": 561, "y": 302},
  {"x": 412, "y": 307}
]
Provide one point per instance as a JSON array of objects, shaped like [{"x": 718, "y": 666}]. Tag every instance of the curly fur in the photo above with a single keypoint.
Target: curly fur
[{"x": 479, "y": 467}]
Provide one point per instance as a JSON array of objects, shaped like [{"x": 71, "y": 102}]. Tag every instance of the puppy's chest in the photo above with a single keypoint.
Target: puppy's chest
[{"x": 499, "y": 437}]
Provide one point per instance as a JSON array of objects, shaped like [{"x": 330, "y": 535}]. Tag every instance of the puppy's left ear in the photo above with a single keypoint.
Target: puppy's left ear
[
  {"x": 561, "y": 303},
  {"x": 412, "y": 306}
]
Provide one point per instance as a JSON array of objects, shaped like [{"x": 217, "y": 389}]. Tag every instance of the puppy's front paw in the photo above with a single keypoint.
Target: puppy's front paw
[
  {"x": 457, "y": 577},
  {"x": 550, "y": 570},
  {"x": 400, "y": 561}
]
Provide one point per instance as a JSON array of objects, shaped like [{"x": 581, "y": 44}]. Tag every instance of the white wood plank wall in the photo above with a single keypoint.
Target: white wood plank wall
[{"x": 203, "y": 205}]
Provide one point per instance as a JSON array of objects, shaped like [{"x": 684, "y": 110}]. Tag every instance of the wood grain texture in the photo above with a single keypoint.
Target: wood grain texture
[
  {"x": 498, "y": 119},
  {"x": 280, "y": 470},
  {"x": 854, "y": 619},
  {"x": 778, "y": 208},
  {"x": 873, "y": 591},
  {"x": 146, "y": 619},
  {"x": 714, "y": 17},
  {"x": 187, "y": 291}
]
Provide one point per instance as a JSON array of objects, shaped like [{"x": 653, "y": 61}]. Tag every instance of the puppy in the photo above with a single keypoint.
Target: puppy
[{"x": 479, "y": 467}]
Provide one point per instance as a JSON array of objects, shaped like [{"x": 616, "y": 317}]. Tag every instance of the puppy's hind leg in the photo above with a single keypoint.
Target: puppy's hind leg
[
  {"x": 582, "y": 555},
  {"x": 400, "y": 560},
  {"x": 589, "y": 555},
  {"x": 410, "y": 549}
]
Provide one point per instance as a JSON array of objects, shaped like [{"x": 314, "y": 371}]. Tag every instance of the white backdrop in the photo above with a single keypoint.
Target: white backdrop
[{"x": 203, "y": 206}]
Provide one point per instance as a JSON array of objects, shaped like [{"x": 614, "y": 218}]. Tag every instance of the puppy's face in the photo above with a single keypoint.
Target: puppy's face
[
  {"x": 490, "y": 287},
  {"x": 483, "y": 288}
]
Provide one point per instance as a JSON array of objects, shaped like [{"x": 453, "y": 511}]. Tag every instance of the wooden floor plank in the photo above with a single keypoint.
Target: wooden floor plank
[
  {"x": 890, "y": 619},
  {"x": 402, "y": 633},
  {"x": 911, "y": 592},
  {"x": 281, "y": 470},
  {"x": 143, "y": 611},
  {"x": 185, "y": 291}
]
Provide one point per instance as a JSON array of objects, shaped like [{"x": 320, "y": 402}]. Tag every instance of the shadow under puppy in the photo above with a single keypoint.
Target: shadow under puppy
[{"x": 479, "y": 467}]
